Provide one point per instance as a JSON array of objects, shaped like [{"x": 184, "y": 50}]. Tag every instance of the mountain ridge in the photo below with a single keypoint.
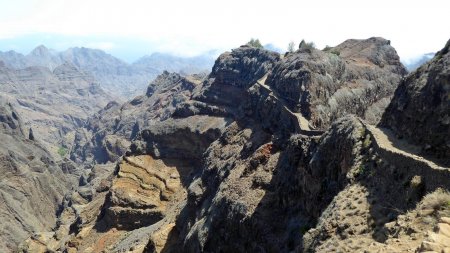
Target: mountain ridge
[
  {"x": 294, "y": 152},
  {"x": 266, "y": 153},
  {"x": 115, "y": 75}
]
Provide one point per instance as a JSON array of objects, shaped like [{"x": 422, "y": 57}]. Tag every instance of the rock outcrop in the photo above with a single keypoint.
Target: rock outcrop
[
  {"x": 107, "y": 134},
  {"x": 420, "y": 109},
  {"x": 356, "y": 77}
]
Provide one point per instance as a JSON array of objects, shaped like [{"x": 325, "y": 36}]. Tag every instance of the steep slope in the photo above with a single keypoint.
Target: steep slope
[
  {"x": 32, "y": 185},
  {"x": 52, "y": 103},
  {"x": 420, "y": 110},
  {"x": 357, "y": 76},
  {"x": 397, "y": 215},
  {"x": 259, "y": 192},
  {"x": 238, "y": 166},
  {"x": 107, "y": 134}
]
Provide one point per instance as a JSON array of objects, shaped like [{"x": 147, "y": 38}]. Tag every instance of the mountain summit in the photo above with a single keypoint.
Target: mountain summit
[{"x": 40, "y": 51}]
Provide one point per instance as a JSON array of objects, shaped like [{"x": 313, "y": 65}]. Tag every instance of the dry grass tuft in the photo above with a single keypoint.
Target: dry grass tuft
[{"x": 437, "y": 200}]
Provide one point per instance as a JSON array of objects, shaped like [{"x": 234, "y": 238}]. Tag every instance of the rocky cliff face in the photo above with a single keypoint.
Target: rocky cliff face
[
  {"x": 255, "y": 159},
  {"x": 32, "y": 185},
  {"x": 107, "y": 134},
  {"x": 361, "y": 82},
  {"x": 420, "y": 109},
  {"x": 357, "y": 77}
]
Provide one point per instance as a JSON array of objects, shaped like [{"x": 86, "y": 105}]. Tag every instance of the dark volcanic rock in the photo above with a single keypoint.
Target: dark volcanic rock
[
  {"x": 10, "y": 120},
  {"x": 107, "y": 134},
  {"x": 185, "y": 138},
  {"x": 242, "y": 184},
  {"x": 349, "y": 78},
  {"x": 243, "y": 66},
  {"x": 420, "y": 108},
  {"x": 234, "y": 72}
]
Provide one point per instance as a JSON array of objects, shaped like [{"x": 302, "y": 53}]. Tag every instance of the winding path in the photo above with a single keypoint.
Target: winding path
[
  {"x": 302, "y": 121},
  {"x": 387, "y": 141}
]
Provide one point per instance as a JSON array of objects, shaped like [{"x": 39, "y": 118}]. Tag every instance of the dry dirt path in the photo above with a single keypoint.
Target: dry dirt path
[{"x": 386, "y": 140}]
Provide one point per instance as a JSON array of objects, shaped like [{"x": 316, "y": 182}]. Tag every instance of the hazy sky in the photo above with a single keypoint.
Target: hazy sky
[{"x": 132, "y": 28}]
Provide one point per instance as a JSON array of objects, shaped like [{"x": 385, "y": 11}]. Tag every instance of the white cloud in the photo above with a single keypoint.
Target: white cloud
[{"x": 189, "y": 27}]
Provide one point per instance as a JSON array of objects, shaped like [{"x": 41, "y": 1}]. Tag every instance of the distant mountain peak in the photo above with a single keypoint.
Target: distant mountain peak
[{"x": 40, "y": 50}]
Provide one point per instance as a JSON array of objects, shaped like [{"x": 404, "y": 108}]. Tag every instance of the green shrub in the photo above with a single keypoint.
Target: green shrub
[
  {"x": 331, "y": 50},
  {"x": 362, "y": 132},
  {"x": 306, "y": 45},
  {"x": 291, "y": 47},
  {"x": 447, "y": 205},
  {"x": 304, "y": 229},
  {"x": 361, "y": 170},
  {"x": 255, "y": 43},
  {"x": 364, "y": 170},
  {"x": 327, "y": 48},
  {"x": 62, "y": 151},
  {"x": 335, "y": 52},
  {"x": 436, "y": 200},
  {"x": 367, "y": 141}
]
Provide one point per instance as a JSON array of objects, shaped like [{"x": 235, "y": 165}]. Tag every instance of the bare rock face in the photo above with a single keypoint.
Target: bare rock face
[
  {"x": 419, "y": 111},
  {"x": 10, "y": 121},
  {"x": 351, "y": 78},
  {"x": 243, "y": 66},
  {"x": 145, "y": 193},
  {"x": 233, "y": 73},
  {"x": 108, "y": 133},
  {"x": 32, "y": 185},
  {"x": 140, "y": 194}
]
